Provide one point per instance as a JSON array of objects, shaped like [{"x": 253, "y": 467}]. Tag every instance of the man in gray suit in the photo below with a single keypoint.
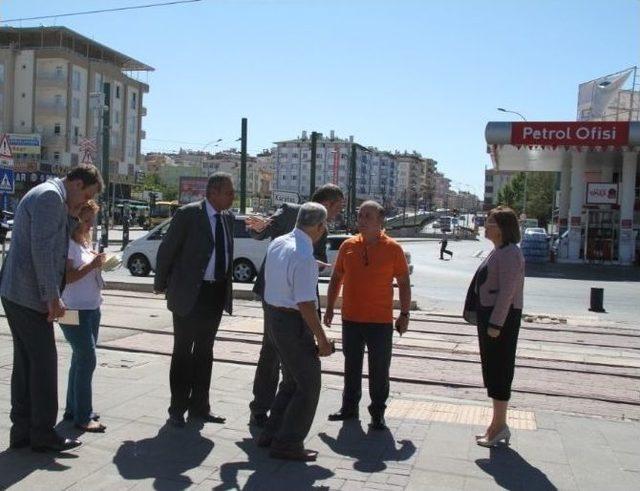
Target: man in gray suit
[
  {"x": 282, "y": 222},
  {"x": 31, "y": 282},
  {"x": 194, "y": 268}
]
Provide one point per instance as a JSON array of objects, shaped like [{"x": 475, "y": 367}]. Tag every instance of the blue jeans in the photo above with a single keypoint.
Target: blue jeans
[{"x": 83, "y": 339}]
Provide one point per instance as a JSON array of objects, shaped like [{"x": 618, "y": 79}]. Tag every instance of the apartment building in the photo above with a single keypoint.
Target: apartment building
[
  {"x": 375, "y": 170},
  {"x": 494, "y": 181},
  {"x": 416, "y": 180},
  {"x": 52, "y": 88}
]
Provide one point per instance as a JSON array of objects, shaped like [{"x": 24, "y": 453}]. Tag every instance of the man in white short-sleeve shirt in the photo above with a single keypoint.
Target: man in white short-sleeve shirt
[{"x": 291, "y": 275}]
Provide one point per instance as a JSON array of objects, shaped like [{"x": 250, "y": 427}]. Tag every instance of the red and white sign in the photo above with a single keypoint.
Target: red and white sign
[
  {"x": 586, "y": 134},
  {"x": 602, "y": 193},
  {"x": 5, "y": 148}
]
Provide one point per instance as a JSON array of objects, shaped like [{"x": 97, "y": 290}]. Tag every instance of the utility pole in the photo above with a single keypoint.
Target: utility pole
[
  {"x": 351, "y": 210},
  {"x": 312, "y": 175},
  {"x": 243, "y": 167},
  {"x": 106, "y": 129}
]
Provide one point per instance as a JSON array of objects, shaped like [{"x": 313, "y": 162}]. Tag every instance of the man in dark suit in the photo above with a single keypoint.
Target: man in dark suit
[
  {"x": 32, "y": 280},
  {"x": 282, "y": 222},
  {"x": 194, "y": 269}
]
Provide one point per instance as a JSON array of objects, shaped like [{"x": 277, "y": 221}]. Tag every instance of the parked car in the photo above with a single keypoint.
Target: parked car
[
  {"x": 333, "y": 245},
  {"x": 536, "y": 231},
  {"x": 140, "y": 255}
]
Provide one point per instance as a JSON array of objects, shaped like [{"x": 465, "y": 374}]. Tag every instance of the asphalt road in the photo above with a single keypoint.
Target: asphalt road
[{"x": 552, "y": 289}]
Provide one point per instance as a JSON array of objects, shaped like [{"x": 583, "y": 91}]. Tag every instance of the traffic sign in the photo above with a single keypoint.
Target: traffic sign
[
  {"x": 7, "y": 181},
  {"x": 280, "y": 197},
  {"x": 5, "y": 148}
]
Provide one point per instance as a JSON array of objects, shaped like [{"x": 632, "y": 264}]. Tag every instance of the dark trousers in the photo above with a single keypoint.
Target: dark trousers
[
  {"x": 443, "y": 251},
  {"x": 265, "y": 382},
  {"x": 34, "y": 380},
  {"x": 296, "y": 402},
  {"x": 498, "y": 355},
  {"x": 192, "y": 357},
  {"x": 378, "y": 340},
  {"x": 83, "y": 339}
]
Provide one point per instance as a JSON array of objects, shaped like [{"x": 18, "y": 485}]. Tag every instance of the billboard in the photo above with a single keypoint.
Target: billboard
[
  {"x": 605, "y": 98},
  {"x": 192, "y": 189},
  {"x": 26, "y": 144},
  {"x": 602, "y": 193}
]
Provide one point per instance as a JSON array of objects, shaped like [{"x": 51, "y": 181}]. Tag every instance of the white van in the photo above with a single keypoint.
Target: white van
[{"x": 140, "y": 255}]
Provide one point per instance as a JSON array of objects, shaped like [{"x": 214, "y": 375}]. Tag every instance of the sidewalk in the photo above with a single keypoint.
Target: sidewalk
[{"x": 430, "y": 444}]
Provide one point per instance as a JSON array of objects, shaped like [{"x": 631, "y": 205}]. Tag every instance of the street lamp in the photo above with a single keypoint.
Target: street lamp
[
  {"x": 524, "y": 204},
  {"x": 502, "y": 109}
]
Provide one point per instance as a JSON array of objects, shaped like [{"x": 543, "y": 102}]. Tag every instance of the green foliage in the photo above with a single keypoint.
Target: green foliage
[
  {"x": 540, "y": 187},
  {"x": 152, "y": 182}
]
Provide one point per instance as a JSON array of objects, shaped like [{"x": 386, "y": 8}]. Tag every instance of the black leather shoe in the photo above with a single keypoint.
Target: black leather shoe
[
  {"x": 209, "y": 418},
  {"x": 343, "y": 415},
  {"x": 61, "y": 445},
  {"x": 258, "y": 420},
  {"x": 22, "y": 443},
  {"x": 378, "y": 423},
  {"x": 176, "y": 420},
  {"x": 69, "y": 416}
]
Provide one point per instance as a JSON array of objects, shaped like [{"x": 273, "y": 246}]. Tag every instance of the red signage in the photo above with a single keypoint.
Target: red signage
[{"x": 587, "y": 134}]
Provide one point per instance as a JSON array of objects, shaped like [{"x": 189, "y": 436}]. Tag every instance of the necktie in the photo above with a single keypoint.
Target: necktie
[{"x": 220, "y": 252}]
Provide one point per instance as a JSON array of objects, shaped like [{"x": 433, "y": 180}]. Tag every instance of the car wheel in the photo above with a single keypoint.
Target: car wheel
[
  {"x": 139, "y": 265},
  {"x": 243, "y": 271}
]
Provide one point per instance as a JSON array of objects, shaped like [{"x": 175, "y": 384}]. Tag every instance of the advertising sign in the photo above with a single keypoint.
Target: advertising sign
[
  {"x": 192, "y": 189},
  {"x": 26, "y": 144},
  {"x": 588, "y": 134},
  {"x": 602, "y": 193}
]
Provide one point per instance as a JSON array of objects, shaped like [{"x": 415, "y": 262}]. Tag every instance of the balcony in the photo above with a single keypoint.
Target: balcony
[
  {"x": 143, "y": 134},
  {"x": 143, "y": 111}
]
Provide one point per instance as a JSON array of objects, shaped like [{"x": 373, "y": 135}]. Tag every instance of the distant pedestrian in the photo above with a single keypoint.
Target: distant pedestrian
[
  {"x": 367, "y": 265},
  {"x": 83, "y": 293},
  {"x": 282, "y": 222},
  {"x": 194, "y": 267},
  {"x": 443, "y": 247},
  {"x": 33, "y": 277},
  {"x": 494, "y": 304},
  {"x": 290, "y": 303}
]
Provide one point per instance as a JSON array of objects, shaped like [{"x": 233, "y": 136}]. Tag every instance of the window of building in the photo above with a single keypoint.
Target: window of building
[
  {"x": 76, "y": 80},
  {"x": 294, "y": 155},
  {"x": 57, "y": 129},
  {"x": 57, "y": 100},
  {"x": 76, "y": 134},
  {"x": 116, "y": 117},
  {"x": 132, "y": 127},
  {"x": 56, "y": 156},
  {"x": 74, "y": 159},
  {"x": 284, "y": 178},
  {"x": 293, "y": 178},
  {"x": 75, "y": 107},
  {"x": 59, "y": 71},
  {"x": 117, "y": 92},
  {"x": 133, "y": 100},
  {"x": 305, "y": 155},
  {"x": 1, "y": 73}
]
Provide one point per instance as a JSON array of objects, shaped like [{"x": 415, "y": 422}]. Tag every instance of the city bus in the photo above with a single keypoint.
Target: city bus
[{"x": 161, "y": 211}]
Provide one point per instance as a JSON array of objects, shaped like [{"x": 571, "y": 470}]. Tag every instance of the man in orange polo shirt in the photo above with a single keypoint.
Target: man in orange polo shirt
[{"x": 366, "y": 266}]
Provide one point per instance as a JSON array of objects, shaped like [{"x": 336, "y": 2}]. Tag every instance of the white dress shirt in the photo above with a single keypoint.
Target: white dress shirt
[
  {"x": 291, "y": 271},
  {"x": 213, "y": 214}
]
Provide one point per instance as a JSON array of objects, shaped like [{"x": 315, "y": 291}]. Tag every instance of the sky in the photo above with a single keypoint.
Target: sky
[{"x": 397, "y": 74}]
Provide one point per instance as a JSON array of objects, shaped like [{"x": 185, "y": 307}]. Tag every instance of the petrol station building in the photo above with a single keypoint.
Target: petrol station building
[{"x": 599, "y": 181}]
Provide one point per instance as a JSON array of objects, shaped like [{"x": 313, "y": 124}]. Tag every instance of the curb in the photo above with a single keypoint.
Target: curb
[{"x": 238, "y": 294}]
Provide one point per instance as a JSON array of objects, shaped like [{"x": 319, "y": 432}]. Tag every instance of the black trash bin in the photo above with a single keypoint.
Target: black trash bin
[{"x": 597, "y": 300}]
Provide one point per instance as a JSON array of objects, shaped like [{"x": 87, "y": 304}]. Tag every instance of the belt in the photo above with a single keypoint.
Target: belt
[{"x": 284, "y": 309}]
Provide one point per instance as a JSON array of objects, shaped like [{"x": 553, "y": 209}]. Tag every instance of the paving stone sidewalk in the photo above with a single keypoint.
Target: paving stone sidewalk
[{"x": 430, "y": 444}]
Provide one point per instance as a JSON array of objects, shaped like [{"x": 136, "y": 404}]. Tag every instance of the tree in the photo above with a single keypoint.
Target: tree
[
  {"x": 152, "y": 182},
  {"x": 540, "y": 187}
]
